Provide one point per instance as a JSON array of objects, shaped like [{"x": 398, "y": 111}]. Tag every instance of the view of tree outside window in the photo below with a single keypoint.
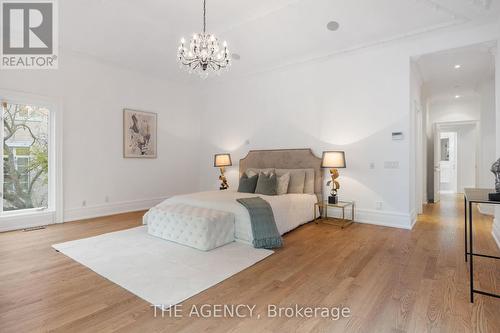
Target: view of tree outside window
[{"x": 25, "y": 156}]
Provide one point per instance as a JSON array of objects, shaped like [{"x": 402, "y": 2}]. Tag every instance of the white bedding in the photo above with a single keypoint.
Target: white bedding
[{"x": 290, "y": 210}]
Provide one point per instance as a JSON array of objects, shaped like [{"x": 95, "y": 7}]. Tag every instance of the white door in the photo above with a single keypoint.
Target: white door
[
  {"x": 437, "y": 159},
  {"x": 448, "y": 163}
]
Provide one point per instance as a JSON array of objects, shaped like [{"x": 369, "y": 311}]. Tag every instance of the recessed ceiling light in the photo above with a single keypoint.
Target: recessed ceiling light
[
  {"x": 458, "y": 66},
  {"x": 457, "y": 96},
  {"x": 333, "y": 26},
  {"x": 235, "y": 56}
]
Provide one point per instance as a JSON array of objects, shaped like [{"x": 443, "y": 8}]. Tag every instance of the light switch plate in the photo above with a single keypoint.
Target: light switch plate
[{"x": 391, "y": 165}]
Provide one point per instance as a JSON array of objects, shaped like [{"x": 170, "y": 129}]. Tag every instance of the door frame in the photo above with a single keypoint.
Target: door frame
[
  {"x": 420, "y": 158},
  {"x": 454, "y": 134},
  {"x": 55, "y": 212},
  {"x": 442, "y": 127},
  {"x": 436, "y": 163}
]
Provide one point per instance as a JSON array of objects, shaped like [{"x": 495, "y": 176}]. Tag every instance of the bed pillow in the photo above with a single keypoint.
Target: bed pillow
[
  {"x": 267, "y": 184},
  {"x": 247, "y": 184},
  {"x": 283, "y": 181},
  {"x": 255, "y": 171},
  {"x": 308, "y": 180},
  {"x": 297, "y": 179}
]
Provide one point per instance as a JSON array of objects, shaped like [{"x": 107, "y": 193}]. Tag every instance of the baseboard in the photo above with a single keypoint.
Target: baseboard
[
  {"x": 378, "y": 217},
  {"x": 495, "y": 231},
  {"x": 89, "y": 212},
  {"x": 413, "y": 219},
  {"x": 385, "y": 218}
]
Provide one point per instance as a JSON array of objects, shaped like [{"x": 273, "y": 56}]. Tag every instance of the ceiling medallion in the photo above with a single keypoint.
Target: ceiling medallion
[{"x": 203, "y": 55}]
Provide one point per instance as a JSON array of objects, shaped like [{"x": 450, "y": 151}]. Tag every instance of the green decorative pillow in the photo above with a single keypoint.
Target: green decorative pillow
[
  {"x": 267, "y": 184},
  {"x": 247, "y": 184}
]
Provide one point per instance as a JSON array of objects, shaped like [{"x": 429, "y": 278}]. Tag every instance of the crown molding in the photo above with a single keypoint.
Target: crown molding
[
  {"x": 371, "y": 45},
  {"x": 158, "y": 75},
  {"x": 354, "y": 49}
]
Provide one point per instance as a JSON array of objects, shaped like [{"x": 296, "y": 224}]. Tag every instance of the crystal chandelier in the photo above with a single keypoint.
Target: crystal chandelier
[{"x": 204, "y": 55}]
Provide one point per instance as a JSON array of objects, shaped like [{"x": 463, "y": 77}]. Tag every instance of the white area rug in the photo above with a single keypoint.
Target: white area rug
[{"x": 156, "y": 270}]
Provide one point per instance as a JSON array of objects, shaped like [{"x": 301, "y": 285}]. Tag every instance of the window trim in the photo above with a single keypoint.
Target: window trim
[
  {"x": 26, "y": 211},
  {"x": 55, "y": 200}
]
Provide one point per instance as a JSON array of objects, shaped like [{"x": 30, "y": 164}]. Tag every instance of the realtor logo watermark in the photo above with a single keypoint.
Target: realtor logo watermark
[{"x": 29, "y": 34}]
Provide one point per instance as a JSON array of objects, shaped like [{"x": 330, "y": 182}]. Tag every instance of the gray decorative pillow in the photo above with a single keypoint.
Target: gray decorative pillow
[
  {"x": 247, "y": 184},
  {"x": 297, "y": 180},
  {"x": 283, "y": 182},
  {"x": 309, "y": 181},
  {"x": 267, "y": 184},
  {"x": 255, "y": 171}
]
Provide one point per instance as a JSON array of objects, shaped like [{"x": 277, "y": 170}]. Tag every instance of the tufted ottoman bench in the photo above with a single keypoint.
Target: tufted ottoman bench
[{"x": 201, "y": 228}]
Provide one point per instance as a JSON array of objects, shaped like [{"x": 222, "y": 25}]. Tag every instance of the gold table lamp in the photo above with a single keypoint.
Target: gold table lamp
[
  {"x": 221, "y": 161},
  {"x": 333, "y": 160}
]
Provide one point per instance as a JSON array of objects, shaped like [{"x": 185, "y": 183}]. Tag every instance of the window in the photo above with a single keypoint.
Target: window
[{"x": 26, "y": 136}]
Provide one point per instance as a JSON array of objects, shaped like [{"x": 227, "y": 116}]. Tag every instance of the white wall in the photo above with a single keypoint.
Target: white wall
[
  {"x": 417, "y": 137},
  {"x": 451, "y": 110},
  {"x": 349, "y": 101},
  {"x": 467, "y": 157},
  {"x": 308, "y": 106},
  {"x": 93, "y": 96},
  {"x": 488, "y": 137}
]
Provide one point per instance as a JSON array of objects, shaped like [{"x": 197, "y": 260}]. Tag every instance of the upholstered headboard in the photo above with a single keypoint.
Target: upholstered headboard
[{"x": 286, "y": 159}]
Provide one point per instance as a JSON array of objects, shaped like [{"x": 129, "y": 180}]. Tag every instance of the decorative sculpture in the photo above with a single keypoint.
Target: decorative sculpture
[
  {"x": 333, "y": 160},
  {"x": 334, "y": 173},
  {"x": 224, "y": 185},
  {"x": 495, "y": 168}
]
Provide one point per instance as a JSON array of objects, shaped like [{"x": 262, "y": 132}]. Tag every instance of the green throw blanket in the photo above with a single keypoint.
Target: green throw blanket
[{"x": 264, "y": 230}]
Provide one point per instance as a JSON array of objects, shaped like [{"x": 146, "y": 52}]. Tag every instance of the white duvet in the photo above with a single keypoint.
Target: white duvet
[{"x": 290, "y": 210}]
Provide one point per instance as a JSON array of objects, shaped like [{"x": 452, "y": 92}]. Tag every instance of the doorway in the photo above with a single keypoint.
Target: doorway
[
  {"x": 448, "y": 162},
  {"x": 455, "y": 157}
]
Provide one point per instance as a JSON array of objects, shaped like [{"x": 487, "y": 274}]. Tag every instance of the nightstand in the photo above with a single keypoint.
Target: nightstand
[{"x": 323, "y": 208}]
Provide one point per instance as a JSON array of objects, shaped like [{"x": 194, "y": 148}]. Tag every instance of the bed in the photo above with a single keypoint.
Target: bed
[{"x": 290, "y": 210}]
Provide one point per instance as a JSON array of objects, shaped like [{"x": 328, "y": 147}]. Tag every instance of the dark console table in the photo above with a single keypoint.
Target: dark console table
[{"x": 478, "y": 196}]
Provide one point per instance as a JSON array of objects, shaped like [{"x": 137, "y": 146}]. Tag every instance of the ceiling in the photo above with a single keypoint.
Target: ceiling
[
  {"x": 143, "y": 35},
  {"x": 442, "y": 80}
]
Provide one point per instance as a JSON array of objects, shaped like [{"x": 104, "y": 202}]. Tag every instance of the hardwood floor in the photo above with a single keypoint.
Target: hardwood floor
[{"x": 392, "y": 280}]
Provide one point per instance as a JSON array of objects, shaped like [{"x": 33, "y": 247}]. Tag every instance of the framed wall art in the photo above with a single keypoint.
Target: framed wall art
[{"x": 139, "y": 134}]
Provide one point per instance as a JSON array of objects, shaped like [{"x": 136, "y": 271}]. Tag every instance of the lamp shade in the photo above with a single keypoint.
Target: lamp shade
[
  {"x": 333, "y": 159},
  {"x": 222, "y": 160}
]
